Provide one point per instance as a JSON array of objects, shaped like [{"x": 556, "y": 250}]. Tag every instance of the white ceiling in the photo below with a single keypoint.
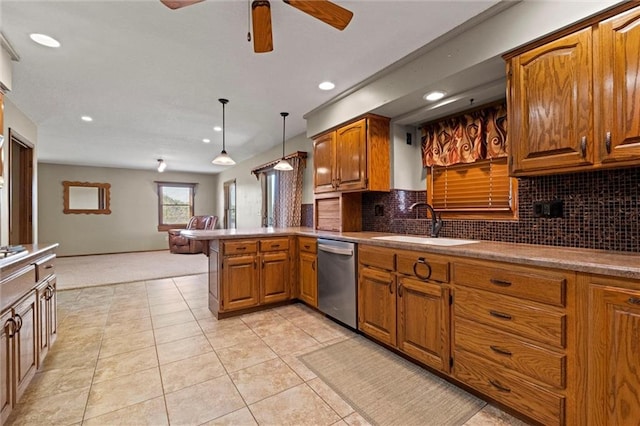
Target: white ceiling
[{"x": 150, "y": 77}]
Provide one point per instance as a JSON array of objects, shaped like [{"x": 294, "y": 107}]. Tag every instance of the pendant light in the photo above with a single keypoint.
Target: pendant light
[
  {"x": 283, "y": 164},
  {"x": 223, "y": 158}
]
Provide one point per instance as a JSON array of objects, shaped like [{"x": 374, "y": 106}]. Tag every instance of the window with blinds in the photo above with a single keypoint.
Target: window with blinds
[{"x": 481, "y": 189}]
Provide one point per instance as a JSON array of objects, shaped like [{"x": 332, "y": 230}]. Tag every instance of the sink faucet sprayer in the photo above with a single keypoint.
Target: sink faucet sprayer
[{"x": 436, "y": 220}]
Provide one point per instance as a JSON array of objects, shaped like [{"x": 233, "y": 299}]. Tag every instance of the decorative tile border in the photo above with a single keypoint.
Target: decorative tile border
[{"x": 601, "y": 211}]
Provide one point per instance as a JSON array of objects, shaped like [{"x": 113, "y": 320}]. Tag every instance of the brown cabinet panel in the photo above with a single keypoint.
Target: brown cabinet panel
[
  {"x": 6, "y": 365},
  {"x": 376, "y": 257},
  {"x": 550, "y": 115},
  {"x": 26, "y": 344},
  {"x": 619, "y": 38},
  {"x": 308, "y": 278},
  {"x": 509, "y": 388},
  {"x": 307, "y": 244},
  {"x": 423, "y": 322},
  {"x": 614, "y": 336},
  {"x": 518, "y": 281},
  {"x": 377, "y": 305},
  {"x": 351, "y": 156},
  {"x": 274, "y": 281},
  {"x": 324, "y": 154},
  {"x": 240, "y": 247},
  {"x": 509, "y": 351},
  {"x": 240, "y": 282},
  {"x": 46, "y": 294},
  {"x": 274, "y": 244},
  {"x": 423, "y": 266},
  {"x": 526, "y": 319}
]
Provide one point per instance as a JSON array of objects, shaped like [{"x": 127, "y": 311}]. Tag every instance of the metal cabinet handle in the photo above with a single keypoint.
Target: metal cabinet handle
[
  {"x": 19, "y": 322},
  {"x": 421, "y": 261},
  {"x": 499, "y": 386},
  {"x": 391, "y": 287},
  {"x": 275, "y": 245},
  {"x": 634, "y": 300},
  {"x": 500, "y": 283},
  {"x": 500, "y": 315},
  {"x": 51, "y": 291},
  {"x": 48, "y": 267},
  {"x": 607, "y": 142},
  {"x": 307, "y": 246},
  {"x": 10, "y": 326},
  {"x": 500, "y": 351},
  {"x": 583, "y": 146},
  {"x": 399, "y": 289},
  {"x": 313, "y": 265}
]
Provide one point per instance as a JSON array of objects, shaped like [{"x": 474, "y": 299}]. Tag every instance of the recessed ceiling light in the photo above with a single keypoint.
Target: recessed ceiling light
[
  {"x": 45, "y": 40},
  {"x": 205, "y": 140},
  {"x": 326, "y": 85},
  {"x": 217, "y": 128},
  {"x": 86, "y": 118},
  {"x": 436, "y": 95}
]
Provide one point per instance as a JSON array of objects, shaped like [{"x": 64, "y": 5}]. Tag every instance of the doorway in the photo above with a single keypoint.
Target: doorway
[
  {"x": 20, "y": 189},
  {"x": 230, "y": 204}
]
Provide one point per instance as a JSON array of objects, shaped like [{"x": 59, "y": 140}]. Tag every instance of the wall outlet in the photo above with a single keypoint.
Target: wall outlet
[
  {"x": 378, "y": 210},
  {"x": 549, "y": 209}
]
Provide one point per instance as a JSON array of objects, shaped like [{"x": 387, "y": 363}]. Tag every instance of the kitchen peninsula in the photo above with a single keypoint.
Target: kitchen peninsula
[{"x": 543, "y": 330}]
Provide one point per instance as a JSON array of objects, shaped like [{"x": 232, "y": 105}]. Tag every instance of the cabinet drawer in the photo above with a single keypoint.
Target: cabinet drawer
[
  {"x": 376, "y": 257},
  {"x": 512, "y": 280},
  {"x": 422, "y": 266},
  {"x": 275, "y": 244},
  {"x": 514, "y": 353},
  {"x": 535, "y": 401},
  {"x": 527, "y": 319},
  {"x": 17, "y": 285},
  {"x": 240, "y": 247},
  {"x": 309, "y": 245},
  {"x": 45, "y": 267}
]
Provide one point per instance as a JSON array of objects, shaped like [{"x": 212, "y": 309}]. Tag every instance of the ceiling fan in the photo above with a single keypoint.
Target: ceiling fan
[{"x": 324, "y": 10}]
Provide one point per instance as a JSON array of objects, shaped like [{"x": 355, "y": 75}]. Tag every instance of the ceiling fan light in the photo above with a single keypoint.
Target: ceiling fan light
[
  {"x": 283, "y": 165},
  {"x": 223, "y": 159}
]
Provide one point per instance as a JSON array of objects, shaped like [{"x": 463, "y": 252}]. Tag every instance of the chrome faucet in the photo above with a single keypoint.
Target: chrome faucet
[{"x": 436, "y": 220}]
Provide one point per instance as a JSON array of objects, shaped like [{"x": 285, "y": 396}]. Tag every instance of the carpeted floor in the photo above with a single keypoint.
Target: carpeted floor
[
  {"x": 87, "y": 271},
  {"x": 387, "y": 389}
]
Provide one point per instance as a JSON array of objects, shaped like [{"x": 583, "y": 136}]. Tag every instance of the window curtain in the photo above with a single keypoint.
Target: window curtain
[
  {"x": 466, "y": 138},
  {"x": 288, "y": 208}
]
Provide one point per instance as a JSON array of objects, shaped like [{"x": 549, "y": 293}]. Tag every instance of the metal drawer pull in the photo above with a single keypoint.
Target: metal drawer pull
[
  {"x": 275, "y": 245},
  {"x": 634, "y": 300},
  {"x": 499, "y": 386},
  {"x": 48, "y": 267},
  {"x": 241, "y": 248},
  {"x": 10, "y": 326},
  {"x": 583, "y": 146},
  {"x": 421, "y": 261},
  {"x": 307, "y": 246},
  {"x": 499, "y": 315},
  {"x": 607, "y": 142},
  {"x": 391, "y": 287},
  {"x": 500, "y": 283},
  {"x": 313, "y": 265},
  {"x": 400, "y": 289},
  {"x": 500, "y": 351}
]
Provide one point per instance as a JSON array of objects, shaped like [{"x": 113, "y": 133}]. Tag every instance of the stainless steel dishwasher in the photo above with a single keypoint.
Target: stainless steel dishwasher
[{"x": 337, "y": 262}]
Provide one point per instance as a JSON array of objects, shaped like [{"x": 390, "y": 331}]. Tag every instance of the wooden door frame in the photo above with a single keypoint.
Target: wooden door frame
[{"x": 25, "y": 232}]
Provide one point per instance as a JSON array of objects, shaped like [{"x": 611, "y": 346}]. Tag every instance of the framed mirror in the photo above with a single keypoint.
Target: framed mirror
[{"x": 86, "y": 198}]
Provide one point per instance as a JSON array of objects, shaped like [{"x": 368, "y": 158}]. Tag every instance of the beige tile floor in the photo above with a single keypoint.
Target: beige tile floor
[{"x": 151, "y": 353}]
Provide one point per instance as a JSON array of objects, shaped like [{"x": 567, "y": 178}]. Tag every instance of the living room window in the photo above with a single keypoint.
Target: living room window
[{"x": 175, "y": 204}]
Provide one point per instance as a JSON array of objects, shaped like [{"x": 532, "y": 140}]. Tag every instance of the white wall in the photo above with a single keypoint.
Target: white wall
[
  {"x": 19, "y": 122},
  {"x": 249, "y": 193},
  {"x": 406, "y": 160},
  {"x": 132, "y": 224}
]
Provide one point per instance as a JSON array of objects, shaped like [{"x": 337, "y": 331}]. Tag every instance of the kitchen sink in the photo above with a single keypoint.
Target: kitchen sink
[{"x": 426, "y": 240}]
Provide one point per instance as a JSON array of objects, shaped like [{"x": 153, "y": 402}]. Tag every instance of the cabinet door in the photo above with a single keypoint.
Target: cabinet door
[
  {"x": 6, "y": 365},
  {"x": 240, "y": 282},
  {"x": 26, "y": 344},
  {"x": 275, "y": 277},
  {"x": 423, "y": 322},
  {"x": 52, "y": 317},
  {"x": 308, "y": 279},
  {"x": 351, "y": 156},
  {"x": 614, "y": 377},
  {"x": 377, "y": 305},
  {"x": 550, "y": 111},
  {"x": 42, "y": 294},
  {"x": 620, "y": 59},
  {"x": 324, "y": 154}
]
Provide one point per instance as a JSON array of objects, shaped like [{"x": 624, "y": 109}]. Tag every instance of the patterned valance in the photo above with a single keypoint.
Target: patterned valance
[{"x": 476, "y": 135}]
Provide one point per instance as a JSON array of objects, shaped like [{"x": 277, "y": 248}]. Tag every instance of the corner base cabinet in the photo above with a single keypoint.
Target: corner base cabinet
[{"x": 28, "y": 318}]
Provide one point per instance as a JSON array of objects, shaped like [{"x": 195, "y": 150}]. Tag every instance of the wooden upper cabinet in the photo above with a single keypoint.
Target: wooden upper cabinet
[
  {"x": 573, "y": 101},
  {"x": 353, "y": 157},
  {"x": 619, "y": 38},
  {"x": 550, "y": 109},
  {"x": 324, "y": 153}
]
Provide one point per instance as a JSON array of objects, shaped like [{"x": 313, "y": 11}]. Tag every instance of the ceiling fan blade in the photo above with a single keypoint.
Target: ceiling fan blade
[
  {"x": 324, "y": 10},
  {"x": 261, "y": 17},
  {"x": 177, "y": 4}
]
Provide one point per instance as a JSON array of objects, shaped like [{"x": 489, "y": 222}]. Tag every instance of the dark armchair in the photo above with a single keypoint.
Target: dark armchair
[{"x": 180, "y": 244}]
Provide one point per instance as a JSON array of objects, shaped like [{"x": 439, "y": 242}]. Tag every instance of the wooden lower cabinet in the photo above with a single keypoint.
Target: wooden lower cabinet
[
  {"x": 46, "y": 294},
  {"x": 308, "y": 278},
  {"x": 377, "y": 304},
  {"x": 240, "y": 282},
  {"x": 614, "y": 352},
  {"x": 6, "y": 365},
  {"x": 274, "y": 281},
  {"x": 423, "y": 322}
]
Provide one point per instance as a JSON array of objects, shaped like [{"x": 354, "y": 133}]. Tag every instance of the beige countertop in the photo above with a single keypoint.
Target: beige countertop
[
  {"x": 31, "y": 252},
  {"x": 619, "y": 264}
]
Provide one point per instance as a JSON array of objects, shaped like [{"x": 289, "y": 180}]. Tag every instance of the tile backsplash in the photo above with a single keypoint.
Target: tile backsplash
[{"x": 601, "y": 211}]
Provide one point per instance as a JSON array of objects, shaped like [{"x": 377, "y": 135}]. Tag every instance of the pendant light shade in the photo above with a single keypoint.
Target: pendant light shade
[
  {"x": 223, "y": 158},
  {"x": 283, "y": 164}
]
